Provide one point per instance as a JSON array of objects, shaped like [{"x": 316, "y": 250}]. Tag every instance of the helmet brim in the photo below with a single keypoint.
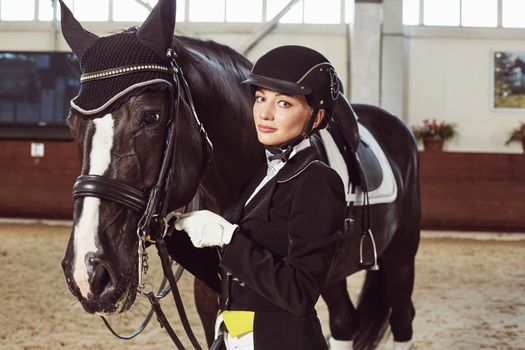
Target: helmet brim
[{"x": 279, "y": 85}]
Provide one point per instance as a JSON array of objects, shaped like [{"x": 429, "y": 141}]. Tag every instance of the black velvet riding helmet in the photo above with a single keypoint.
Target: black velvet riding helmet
[{"x": 297, "y": 70}]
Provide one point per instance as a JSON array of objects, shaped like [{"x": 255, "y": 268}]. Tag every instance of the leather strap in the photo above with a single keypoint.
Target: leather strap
[
  {"x": 161, "y": 317},
  {"x": 168, "y": 272},
  {"x": 218, "y": 342},
  {"x": 283, "y": 151},
  {"x": 109, "y": 189}
]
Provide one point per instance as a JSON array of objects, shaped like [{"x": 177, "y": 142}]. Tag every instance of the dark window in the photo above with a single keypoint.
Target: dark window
[{"x": 36, "y": 87}]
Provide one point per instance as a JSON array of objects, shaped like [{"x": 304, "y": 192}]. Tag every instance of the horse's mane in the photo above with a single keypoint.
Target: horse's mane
[
  {"x": 215, "y": 52},
  {"x": 197, "y": 49},
  {"x": 217, "y": 68}
]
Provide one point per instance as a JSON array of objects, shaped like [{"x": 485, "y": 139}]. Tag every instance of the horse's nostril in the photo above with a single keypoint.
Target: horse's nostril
[{"x": 100, "y": 278}]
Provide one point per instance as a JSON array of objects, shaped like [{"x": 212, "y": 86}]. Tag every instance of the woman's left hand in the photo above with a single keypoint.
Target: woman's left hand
[{"x": 206, "y": 229}]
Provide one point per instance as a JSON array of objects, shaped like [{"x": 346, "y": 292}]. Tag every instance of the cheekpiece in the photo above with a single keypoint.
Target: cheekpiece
[{"x": 114, "y": 69}]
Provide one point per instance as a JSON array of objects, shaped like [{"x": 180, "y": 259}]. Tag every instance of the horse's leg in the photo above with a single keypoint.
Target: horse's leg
[
  {"x": 399, "y": 272},
  {"x": 206, "y": 303},
  {"x": 400, "y": 284},
  {"x": 342, "y": 315}
]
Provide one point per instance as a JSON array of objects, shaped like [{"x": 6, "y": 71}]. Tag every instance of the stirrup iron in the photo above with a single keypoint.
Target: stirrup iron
[{"x": 373, "y": 266}]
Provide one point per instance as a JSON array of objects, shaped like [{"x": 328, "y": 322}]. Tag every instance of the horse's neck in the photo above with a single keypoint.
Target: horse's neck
[
  {"x": 225, "y": 109},
  {"x": 237, "y": 155}
]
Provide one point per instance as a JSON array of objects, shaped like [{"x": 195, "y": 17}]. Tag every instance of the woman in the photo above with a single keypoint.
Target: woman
[{"x": 278, "y": 244}]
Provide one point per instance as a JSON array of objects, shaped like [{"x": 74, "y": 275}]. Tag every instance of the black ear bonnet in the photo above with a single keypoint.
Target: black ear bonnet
[{"x": 114, "y": 69}]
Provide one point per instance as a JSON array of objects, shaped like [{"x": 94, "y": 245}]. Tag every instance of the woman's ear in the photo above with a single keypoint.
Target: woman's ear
[{"x": 319, "y": 118}]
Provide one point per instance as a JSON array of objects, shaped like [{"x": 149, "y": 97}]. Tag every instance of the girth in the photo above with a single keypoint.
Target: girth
[{"x": 109, "y": 189}]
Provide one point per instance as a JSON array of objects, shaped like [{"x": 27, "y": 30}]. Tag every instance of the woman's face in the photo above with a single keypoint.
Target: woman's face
[{"x": 278, "y": 117}]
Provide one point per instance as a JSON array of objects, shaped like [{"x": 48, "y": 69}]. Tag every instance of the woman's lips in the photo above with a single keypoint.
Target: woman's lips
[{"x": 265, "y": 128}]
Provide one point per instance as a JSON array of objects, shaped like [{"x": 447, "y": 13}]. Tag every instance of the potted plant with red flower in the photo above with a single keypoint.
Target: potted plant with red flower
[
  {"x": 517, "y": 135},
  {"x": 434, "y": 133}
]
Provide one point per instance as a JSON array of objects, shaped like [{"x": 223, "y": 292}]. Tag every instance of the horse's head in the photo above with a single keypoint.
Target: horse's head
[{"x": 130, "y": 106}]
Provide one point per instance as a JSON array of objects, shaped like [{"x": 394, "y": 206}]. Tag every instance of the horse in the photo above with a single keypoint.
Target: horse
[
  {"x": 124, "y": 153},
  {"x": 517, "y": 79}
]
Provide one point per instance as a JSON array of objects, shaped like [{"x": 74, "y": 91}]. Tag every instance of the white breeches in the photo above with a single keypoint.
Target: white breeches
[
  {"x": 340, "y": 344},
  {"x": 244, "y": 342}
]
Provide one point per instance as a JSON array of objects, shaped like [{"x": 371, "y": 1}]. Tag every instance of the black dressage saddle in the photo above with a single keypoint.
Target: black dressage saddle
[{"x": 364, "y": 170}]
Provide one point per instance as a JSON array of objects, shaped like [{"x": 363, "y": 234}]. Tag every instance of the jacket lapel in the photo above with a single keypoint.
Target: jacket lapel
[
  {"x": 259, "y": 205},
  {"x": 297, "y": 164},
  {"x": 234, "y": 213}
]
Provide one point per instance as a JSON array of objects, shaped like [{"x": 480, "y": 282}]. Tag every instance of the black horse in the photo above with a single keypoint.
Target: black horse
[{"x": 125, "y": 146}]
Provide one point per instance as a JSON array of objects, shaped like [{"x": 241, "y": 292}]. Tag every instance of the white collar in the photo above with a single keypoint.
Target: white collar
[{"x": 296, "y": 149}]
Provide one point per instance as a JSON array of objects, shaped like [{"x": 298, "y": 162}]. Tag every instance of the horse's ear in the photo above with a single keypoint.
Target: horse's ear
[
  {"x": 78, "y": 39},
  {"x": 158, "y": 29}
]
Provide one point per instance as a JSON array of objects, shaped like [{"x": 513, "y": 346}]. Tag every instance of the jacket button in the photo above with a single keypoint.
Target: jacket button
[{"x": 239, "y": 281}]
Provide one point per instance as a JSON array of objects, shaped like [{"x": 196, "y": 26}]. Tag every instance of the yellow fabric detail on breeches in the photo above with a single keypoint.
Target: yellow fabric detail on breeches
[{"x": 238, "y": 322}]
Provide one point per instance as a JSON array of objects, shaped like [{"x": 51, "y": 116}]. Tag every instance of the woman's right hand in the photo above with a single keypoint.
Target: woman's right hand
[{"x": 206, "y": 229}]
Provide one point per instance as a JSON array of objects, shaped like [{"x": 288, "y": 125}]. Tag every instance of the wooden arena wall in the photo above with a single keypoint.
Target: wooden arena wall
[
  {"x": 460, "y": 191},
  {"x": 473, "y": 191},
  {"x": 37, "y": 187}
]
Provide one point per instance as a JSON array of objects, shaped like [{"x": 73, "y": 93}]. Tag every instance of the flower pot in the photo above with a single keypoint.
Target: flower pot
[{"x": 433, "y": 145}]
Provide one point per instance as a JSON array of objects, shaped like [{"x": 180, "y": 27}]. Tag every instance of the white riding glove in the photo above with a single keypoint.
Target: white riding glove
[{"x": 206, "y": 229}]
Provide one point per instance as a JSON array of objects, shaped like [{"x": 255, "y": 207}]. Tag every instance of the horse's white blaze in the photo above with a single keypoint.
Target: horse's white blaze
[{"x": 86, "y": 229}]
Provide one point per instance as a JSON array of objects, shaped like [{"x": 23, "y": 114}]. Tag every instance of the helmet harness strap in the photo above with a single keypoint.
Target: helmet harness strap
[{"x": 284, "y": 150}]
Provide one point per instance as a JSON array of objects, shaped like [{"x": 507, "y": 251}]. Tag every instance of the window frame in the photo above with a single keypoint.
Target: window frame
[
  {"x": 342, "y": 17},
  {"x": 499, "y": 20},
  {"x": 37, "y": 130}
]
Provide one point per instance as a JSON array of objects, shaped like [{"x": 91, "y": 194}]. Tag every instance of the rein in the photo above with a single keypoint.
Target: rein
[{"x": 154, "y": 223}]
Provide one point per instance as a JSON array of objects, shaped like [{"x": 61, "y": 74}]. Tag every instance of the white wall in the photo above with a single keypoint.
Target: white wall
[
  {"x": 366, "y": 53},
  {"x": 425, "y": 72},
  {"x": 330, "y": 41},
  {"x": 449, "y": 78},
  {"x": 393, "y": 62}
]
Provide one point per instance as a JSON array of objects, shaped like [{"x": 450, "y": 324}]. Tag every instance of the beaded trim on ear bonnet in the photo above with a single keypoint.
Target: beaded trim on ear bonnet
[{"x": 117, "y": 67}]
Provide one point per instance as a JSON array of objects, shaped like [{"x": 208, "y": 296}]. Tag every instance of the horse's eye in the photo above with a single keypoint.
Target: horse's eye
[{"x": 151, "y": 117}]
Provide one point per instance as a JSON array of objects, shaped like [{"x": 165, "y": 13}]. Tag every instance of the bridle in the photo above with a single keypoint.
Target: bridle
[{"x": 154, "y": 223}]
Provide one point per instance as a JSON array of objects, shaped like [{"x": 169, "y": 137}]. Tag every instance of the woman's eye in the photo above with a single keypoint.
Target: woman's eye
[
  {"x": 259, "y": 99},
  {"x": 150, "y": 118},
  {"x": 284, "y": 104}
]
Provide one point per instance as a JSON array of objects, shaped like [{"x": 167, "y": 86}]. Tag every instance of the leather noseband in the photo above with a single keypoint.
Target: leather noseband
[{"x": 109, "y": 189}]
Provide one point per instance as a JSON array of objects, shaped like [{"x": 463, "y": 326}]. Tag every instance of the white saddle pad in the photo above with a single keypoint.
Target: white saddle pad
[{"x": 385, "y": 193}]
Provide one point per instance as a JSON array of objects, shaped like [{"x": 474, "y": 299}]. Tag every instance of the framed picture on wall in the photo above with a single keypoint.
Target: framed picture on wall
[{"x": 508, "y": 83}]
